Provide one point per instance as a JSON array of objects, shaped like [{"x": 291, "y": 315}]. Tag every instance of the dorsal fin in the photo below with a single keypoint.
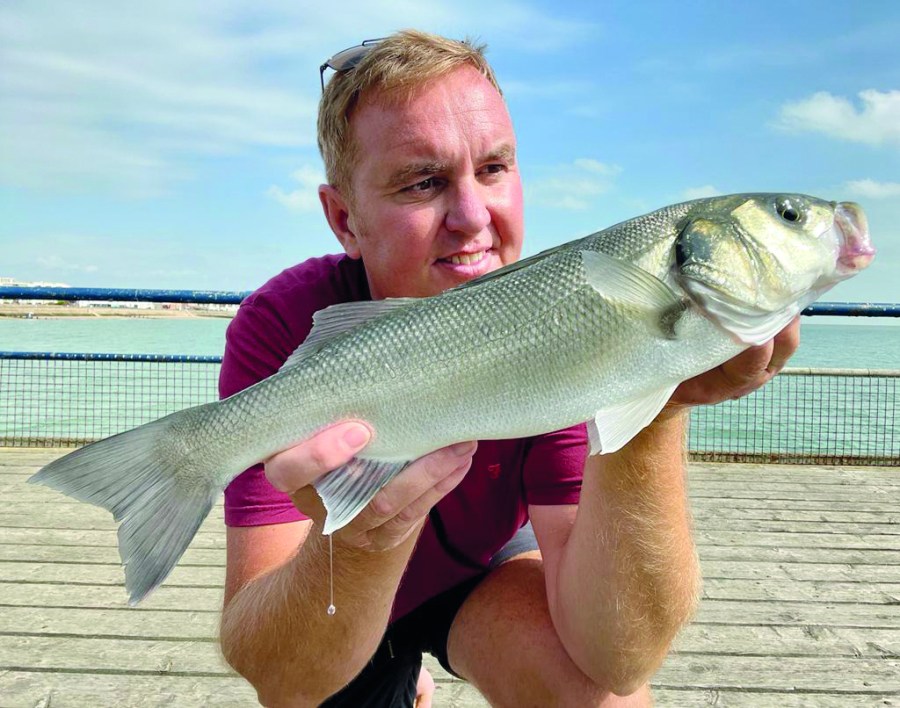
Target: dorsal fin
[
  {"x": 518, "y": 265},
  {"x": 337, "y": 319}
]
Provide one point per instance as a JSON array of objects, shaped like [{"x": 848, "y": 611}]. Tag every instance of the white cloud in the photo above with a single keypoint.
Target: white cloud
[
  {"x": 572, "y": 186},
  {"x": 546, "y": 89},
  {"x": 596, "y": 167},
  {"x": 707, "y": 190},
  {"x": 55, "y": 262},
  {"x": 128, "y": 98},
  {"x": 875, "y": 122},
  {"x": 305, "y": 197},
  {"x": 874, "y": 190}
]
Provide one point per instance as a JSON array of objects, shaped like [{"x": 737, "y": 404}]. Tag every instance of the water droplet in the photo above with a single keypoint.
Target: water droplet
[{"x": 331, "y": 610}]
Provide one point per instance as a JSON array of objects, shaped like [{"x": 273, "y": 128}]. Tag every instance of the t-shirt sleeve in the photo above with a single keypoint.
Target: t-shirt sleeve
[
  {"x": 257, "y": 342},
  {"x": 554, "y": 466}
]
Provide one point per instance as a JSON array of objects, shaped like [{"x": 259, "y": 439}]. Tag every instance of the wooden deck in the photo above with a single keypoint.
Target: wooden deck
[{"x": 801, "y": 604}]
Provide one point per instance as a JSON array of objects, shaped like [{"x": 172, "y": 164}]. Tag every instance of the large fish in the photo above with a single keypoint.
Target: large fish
[{"x": 601, "y": 329}]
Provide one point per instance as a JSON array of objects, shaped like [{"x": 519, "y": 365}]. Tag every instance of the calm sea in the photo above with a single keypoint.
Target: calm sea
[{"x": 853, "y": 346}]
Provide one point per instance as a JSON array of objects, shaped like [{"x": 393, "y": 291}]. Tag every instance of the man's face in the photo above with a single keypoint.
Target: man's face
[{"x": 437, "y": 197}]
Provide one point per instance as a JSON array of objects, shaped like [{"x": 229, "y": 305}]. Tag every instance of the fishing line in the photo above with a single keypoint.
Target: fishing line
[{"x": 331, "y": 608}]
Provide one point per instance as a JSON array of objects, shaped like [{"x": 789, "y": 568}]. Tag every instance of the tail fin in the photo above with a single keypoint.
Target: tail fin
[{"x": 156, "y": 487}]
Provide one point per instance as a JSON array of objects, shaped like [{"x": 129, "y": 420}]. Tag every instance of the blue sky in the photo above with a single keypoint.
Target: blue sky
[{"x": 172, "y": 144}]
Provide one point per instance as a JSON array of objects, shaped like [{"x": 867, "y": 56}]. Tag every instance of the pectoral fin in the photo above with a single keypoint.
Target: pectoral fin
[
  {"x": 614, "y": 426},
  {"x": 346, "y": 490},
  {"x": 619, "y": 281}
]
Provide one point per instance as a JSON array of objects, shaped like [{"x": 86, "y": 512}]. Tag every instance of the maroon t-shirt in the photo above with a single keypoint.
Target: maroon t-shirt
[{"x": 479, "y": 516}]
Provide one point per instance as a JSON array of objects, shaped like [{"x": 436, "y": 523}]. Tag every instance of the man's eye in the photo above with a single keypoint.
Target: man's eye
[
  {"x": 494, "y": 169},
  {"x": 423, "y": 186}
]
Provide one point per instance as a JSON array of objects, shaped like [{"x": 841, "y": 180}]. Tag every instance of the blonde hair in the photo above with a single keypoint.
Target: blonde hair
[{"x": 397, "y": 65}]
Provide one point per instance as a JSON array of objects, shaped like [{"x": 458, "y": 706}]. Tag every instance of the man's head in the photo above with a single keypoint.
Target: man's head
[
  {"x": 424, "y": 185},
  {"x": 394, "y": 66}
]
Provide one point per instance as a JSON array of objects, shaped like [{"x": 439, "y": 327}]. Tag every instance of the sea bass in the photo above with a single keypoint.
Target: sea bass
[{"x": 601, "y": 329}]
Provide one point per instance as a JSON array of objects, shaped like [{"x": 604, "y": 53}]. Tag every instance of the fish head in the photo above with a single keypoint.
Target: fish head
[{"x": 753, "y": 262}]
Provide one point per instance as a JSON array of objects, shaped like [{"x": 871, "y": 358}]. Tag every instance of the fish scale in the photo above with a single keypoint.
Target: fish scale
[{"x": 600, "y": 330}]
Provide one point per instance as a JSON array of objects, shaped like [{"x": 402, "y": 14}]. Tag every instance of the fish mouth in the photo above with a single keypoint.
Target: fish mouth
[{"x": 855, "y": 251}]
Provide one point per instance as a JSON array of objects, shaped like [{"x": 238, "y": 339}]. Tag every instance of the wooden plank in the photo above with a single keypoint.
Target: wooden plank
[
  {"x": 851, "y": 495},
  {"x": 800, "y": 539},
  {"x": 798, "y": 613},
  {"x": 754, "y": 569},
  {"x": 800, "y": 591},
  {"x": 93, "y": 690},
  {"x": 689, "y": 697},
  {"x": 885, "y": 559},
  {"x": 109, "y": 655},
  {"x": 166, "y": 597},
  {"x": 782, "y": 640},
  {"x": 817, "y": 673},
  {"x": 108, "y": 555},
  {"x": 708, "y": 515},
  {"x": 724, "y": 503},
  {"x": 808, "y": 556},
  {"x": 125, "y": 622},
  {"x": 63, "y": 574},
  {"x": 101, "y": 538},
  {"x": 80, "y": 690},
  {"x": 82, "y": 518}
]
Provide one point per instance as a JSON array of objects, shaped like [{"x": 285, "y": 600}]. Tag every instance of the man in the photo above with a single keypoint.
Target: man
[{"x": 424, "y": 193}]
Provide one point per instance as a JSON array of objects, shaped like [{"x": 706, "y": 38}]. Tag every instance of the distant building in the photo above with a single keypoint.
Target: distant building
[{"x": 6, "y": 281}]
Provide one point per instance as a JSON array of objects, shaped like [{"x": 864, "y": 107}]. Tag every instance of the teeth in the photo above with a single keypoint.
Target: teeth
[{"x": 467, "y": 258}]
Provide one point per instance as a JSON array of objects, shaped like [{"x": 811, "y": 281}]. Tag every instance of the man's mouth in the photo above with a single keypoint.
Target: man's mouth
[{"x": 467, "y": 258}]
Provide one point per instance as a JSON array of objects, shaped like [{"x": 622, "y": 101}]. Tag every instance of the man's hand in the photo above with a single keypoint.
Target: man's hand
[
  {"x": 741, "y": 375},
  {"x": 396, "y": 511}
]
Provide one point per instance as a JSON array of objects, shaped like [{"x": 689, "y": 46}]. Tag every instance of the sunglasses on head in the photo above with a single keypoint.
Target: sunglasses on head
[{"x": 348, "y": 58}]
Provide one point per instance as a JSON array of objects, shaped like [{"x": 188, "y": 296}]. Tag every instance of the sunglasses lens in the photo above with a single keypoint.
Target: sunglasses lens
[{"x": 348, "y": 58}]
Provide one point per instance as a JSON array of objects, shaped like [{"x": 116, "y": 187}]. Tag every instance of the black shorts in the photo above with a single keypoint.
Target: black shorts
[{"x": 389, "y": 679}]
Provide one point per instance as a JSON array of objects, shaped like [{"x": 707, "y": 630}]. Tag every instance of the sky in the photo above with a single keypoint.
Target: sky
[{"x": 172, "y": 144}]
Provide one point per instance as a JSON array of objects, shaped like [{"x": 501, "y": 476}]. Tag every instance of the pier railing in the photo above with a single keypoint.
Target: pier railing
[{"x": 804, "y": 416}]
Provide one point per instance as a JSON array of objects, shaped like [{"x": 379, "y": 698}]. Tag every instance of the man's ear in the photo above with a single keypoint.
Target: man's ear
[{"x": 337, "y": 212}]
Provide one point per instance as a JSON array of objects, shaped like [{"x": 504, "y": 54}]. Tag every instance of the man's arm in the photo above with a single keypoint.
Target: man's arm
[
  {"x": 621, "y": 569},
  {"x": 275, "y": 629}
]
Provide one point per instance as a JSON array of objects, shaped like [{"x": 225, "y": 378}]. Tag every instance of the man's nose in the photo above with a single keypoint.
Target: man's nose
[{"x": 468, "y": 211}]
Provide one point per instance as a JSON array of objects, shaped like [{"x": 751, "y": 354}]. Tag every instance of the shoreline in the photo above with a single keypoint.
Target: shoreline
[{"x": 57, "y": 312}]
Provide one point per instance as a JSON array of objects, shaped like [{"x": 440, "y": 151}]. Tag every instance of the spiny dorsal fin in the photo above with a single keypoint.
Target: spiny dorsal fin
[{"x": 337, "y": 319}]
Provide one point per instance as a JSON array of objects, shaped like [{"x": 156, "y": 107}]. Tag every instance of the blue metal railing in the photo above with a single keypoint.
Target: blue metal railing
[
  {"x": 99, "y": 356},
  {"x": 200, "y": 297},
  {"x": 226, "y": 297}
]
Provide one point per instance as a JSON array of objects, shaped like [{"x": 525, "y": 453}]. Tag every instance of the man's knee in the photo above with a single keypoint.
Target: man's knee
[{"x": 503, "y": 641}]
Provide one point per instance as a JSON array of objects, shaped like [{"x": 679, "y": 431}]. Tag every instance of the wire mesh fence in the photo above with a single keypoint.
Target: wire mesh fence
[
  {"x": 62, "y": 400},
  {"x": 804, "y": 416}
]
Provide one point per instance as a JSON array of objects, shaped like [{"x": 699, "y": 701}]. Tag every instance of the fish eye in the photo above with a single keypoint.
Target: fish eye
[{"x": 788, "y": 211}]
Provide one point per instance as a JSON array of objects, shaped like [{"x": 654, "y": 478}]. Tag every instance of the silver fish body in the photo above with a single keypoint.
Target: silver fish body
[{"x": 601, "y": 329}]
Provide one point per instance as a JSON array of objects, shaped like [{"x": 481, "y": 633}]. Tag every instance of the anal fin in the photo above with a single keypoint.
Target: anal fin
[{"x": 346, "y": 490}]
